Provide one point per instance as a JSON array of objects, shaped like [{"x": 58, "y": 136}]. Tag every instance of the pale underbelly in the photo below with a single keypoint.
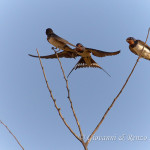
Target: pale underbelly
[{"x": 145, "y": 53}]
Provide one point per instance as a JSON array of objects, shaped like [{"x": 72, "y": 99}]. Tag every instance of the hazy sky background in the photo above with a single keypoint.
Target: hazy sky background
[{"x": 25, "y": 105}]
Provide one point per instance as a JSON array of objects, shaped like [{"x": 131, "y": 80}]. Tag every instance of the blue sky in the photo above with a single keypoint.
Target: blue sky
[{"x": 25, "y": 104}]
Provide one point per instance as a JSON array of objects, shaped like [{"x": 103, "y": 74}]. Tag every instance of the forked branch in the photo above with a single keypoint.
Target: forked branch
[
  {"x": 90, "y": 137},
  {"x": 54, "y": 100},
  {"x": 81, "y": 134}
]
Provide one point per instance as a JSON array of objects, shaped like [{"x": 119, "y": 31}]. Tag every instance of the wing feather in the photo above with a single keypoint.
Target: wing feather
[
  {"x": 63, "y": 40},
  {"x": 143, "y": 44},
  {"x": 60, "y": 55},
  {"x": 100, "y": 53}
]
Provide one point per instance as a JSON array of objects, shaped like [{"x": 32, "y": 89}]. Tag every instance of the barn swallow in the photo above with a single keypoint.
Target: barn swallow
[
  {"x": 85, "y": 53},
  {"x": 86, "y": 60},
  {"x": 136, "y": 46},
  {"x": 57, "y": 41}
]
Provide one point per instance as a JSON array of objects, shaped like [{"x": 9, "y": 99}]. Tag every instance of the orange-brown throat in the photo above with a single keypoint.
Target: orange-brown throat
[
  {"x": 79, "y": 48},
  {"x": 131, "y": 42}
]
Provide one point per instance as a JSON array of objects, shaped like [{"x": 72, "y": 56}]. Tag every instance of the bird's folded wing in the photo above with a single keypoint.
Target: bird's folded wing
[
  {"x": 60, "y": 55},
  {"x": 64, "y": 41},
  {"x": 99, "y": 53},
  {"x": 141, "y": 42}
]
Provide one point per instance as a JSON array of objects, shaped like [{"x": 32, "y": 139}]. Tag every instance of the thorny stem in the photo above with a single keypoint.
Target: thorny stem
[
  {"x": 90, "y": 137},
  {"x": 81, "y": 134},
  {"x": 11, "y": 134},
  {"x": 54, "y": 100}
]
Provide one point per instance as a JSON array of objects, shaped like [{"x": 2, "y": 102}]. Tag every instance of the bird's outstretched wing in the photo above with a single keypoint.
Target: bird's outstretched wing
[
  {"x": 63, "y": 40},
  {"x": 60, "y": 55},
  {"x": 99, "y": 53},
  {"x": 82, "y": 64}
]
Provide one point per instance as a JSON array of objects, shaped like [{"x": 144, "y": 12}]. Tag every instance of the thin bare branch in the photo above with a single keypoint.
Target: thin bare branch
[
  {"x": 12, "y": 134},
  {"x": 81, "y": 134},
  {"x": 54, "y": 100},
  {"x": 90, "y": 137}
]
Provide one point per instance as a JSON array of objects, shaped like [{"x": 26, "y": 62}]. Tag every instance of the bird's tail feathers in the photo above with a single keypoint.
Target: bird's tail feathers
[{"x": 82, "y": 64}]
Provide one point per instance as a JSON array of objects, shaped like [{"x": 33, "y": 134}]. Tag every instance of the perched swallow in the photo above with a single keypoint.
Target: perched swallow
[
  {"x": 85, "y": 54},
  {"x": 136, "y": 46},
  {"x": 57, "y": 41},
  {"x": 86, "y": 60}
]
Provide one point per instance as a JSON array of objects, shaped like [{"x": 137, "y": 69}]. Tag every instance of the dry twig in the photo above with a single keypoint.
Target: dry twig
[
  {"x": 54, "y": 100},
  {"x": 81, "y": 134},
  {"x": 90, "y": 137},
  {"x": 11, "y": 134}
]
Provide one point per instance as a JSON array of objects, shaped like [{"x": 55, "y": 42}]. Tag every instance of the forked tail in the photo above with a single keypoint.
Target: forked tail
[{"x": 82, "y": 64}]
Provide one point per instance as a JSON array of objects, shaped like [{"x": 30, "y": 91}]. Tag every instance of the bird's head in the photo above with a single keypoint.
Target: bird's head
[
  {"x": 80, "y": 47},
  {"x": 131, "y": 40},
  {"x": 49, "y": 31}
]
